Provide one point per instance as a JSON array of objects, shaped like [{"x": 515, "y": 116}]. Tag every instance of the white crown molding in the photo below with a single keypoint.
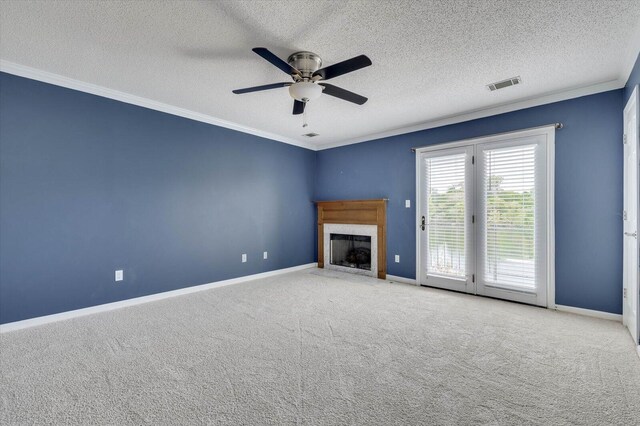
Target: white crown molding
[
  {"x": 59, "y": 80},
  {"x": 94, "y": 89},
  {"x": 32, "y": 322},
  {"x": 485, "y": 112}
]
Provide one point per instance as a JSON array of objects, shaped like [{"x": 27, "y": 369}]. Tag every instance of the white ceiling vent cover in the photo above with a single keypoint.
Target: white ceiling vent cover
[{"x": 504, "y": 83}]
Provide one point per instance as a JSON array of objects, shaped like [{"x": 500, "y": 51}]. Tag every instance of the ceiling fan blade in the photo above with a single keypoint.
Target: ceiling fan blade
[
  {"x": 343, "y": 67},
  {"x": 259, "y": 88},
  {"x": 298, "y": 107},
  {"x": 331, "y": 90},
  {"x": 266, "y": 54}
]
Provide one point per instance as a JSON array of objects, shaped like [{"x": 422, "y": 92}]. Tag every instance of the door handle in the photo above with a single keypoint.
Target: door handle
[
  {"x": 634, "y": 234},
  {"x": 423, "y": 224}
]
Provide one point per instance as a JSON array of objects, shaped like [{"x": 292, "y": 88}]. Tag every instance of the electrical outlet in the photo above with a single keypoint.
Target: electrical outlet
[
  {"x": 407, "y": 203},
  {"x": 397, "y": 258},
  {"x": 244, "y": 257},
  {"x": 119, "y": 275},
  {"x": 264, "y": 255}
]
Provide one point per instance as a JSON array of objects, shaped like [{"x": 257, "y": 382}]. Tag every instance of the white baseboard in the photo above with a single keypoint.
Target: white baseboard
[
  {"x": 401, "y": 279},
  {"x": 589, "y": 313},
  {"x": 562, "y": 308},
  {"x": 32, "y": 322}
]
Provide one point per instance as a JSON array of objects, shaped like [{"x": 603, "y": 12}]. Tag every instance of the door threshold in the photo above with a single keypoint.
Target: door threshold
[{"x": 484, "y": 296}]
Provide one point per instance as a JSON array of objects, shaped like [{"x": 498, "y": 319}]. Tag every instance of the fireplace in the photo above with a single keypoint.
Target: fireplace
[
  {"x": 352, "y": 236},
  {"x": 351, "y": 248},
  {"x": 351, "y": 251}
]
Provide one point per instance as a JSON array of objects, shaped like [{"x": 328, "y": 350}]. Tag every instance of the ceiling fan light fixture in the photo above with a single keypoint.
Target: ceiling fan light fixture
[
  {"x": 309, "y": 79},
  {"x": 305, "y": 91}
]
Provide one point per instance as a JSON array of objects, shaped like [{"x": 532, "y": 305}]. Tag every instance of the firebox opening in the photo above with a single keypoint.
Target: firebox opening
[{"x": 351, "y": 251}]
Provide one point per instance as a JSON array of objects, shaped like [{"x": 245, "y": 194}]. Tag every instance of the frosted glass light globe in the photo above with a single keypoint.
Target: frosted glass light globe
[{"x": 305, "y": 91}]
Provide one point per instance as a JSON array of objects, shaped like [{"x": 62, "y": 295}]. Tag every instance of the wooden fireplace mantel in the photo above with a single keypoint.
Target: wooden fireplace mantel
[{"x": 359, "y": 212}]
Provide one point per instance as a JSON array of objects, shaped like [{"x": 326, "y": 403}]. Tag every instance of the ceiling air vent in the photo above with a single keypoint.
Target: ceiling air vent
[
  {"x": 310, "y": 135},
  {"x": 505, "y": 83}
]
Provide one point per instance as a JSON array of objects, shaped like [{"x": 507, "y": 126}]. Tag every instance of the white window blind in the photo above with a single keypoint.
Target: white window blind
[
  {"x": 509, "y": 181},
  {"x": 445, "y": 181}
]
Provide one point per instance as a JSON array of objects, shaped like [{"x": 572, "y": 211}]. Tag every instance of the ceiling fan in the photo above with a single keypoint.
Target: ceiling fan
[{"x": 308, "y": 78}]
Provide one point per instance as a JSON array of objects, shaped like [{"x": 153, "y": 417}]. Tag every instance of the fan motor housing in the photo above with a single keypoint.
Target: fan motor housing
[{"x": 305, "y": 62}]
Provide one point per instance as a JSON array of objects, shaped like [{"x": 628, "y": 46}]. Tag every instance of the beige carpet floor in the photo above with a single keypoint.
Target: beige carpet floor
[{"x": 322, "y": 348}]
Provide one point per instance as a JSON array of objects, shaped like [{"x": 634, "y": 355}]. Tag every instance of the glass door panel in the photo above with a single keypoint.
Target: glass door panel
[
  {"x": 512, "y": 220},
  {"x": 445, "y": 220}
]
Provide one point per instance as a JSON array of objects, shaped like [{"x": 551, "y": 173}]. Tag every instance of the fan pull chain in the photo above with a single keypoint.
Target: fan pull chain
[{"x": 304, "y": 116}]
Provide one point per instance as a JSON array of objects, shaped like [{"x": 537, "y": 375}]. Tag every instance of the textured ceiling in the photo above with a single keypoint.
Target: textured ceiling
[{"x": 431, "y": 59}]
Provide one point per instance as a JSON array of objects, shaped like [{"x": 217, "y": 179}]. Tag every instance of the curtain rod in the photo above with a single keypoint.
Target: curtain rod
[{"x": 557, "y": 126}]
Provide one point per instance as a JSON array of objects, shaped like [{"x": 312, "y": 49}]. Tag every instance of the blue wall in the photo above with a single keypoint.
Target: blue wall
[
  {"x": 89, "y": 185},
  {"x": 588, "y": 190},
  {"x": 634, "y": 79}
]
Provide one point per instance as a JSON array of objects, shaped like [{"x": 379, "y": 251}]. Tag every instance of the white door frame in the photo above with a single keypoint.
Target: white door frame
[
  {"x": 549, "y": 132},
  {"x": 632, "y": 107}
]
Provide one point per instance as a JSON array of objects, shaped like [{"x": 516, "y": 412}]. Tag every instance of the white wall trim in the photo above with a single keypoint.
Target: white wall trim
[
  {"x": 32, "y": 322},
  {"x": 560, "y": 308},
  {"x": 70, "y": 83},
  {"x": 589, "y": 313},
  {"x": 401, "y": 279},
  {"x": 94, "y": 89},
  {"x": 486, "y": 112}
]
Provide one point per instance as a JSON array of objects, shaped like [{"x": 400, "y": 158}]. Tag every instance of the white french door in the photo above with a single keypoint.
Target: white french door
[{"x": 484, "y": 212}]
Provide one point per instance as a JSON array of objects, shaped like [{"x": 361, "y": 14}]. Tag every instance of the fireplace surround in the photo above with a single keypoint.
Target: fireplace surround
[
  {"x": 344, "y": 229},
  {"x": 345, "y": 243}
]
